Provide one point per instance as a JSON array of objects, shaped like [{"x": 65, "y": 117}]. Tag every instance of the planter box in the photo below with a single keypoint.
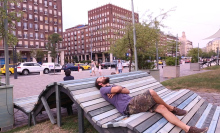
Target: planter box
[
  {"x": 6, "y": 107},
  {"x": 155, "y": 73},
  {"x": 194, "y": 67},
  {"x": 171, "y": 71}
]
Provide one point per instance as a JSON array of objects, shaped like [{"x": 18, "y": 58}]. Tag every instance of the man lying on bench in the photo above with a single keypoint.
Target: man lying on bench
[{"x": 148, "y": 101}]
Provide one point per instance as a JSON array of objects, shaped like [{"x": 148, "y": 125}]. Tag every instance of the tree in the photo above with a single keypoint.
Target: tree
[
  {"x": 194, "y": 54},
  {"x": 18, "y": 55},
  {"x": 53, "y": 41},
  {"x": 171, "y": 47},
  {"x": 38, "y": 54},
  {"x": 12, "y": 17}
]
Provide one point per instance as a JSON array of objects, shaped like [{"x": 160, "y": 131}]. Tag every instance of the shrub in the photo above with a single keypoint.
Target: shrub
[{"x": 170, "y": 61}]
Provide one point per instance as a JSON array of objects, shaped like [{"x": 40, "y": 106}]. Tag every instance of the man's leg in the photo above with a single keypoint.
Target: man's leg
[
  {"x": 158, "y": 100},
  {"x": 171, "y": 117}
]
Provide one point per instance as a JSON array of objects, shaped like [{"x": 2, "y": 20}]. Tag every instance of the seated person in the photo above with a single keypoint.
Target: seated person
[
  {"x": 68, "y": 75},
  {"x": 148, "y": 101}
]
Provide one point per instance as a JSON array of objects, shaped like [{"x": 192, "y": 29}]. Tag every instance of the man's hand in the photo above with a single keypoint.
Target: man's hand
[{"x": 110, "y": 95}]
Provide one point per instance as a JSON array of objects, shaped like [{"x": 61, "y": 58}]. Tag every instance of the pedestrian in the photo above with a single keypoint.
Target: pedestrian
[
  {"x": 100, "y": 69},
  {"x": 93, "y": 67},
  {"x": 119, "y": 67},
  {"x": 147, "y": 101},
  {"x": 68, "y": 75}
]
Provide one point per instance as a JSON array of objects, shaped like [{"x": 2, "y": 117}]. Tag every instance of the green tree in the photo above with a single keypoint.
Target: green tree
[
  {"x": 52, "y": 46},
  {"x": 38, "y": 54},
  {"x": 171, "y": 47},
  {"x": 194, "y": 54},
  {"x": 12, "y": 17}
]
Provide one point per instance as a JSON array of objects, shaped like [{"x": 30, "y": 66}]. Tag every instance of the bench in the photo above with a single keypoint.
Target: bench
[
  {"x": 45, "y": 101},
  {"x": 105, "y": 117}
]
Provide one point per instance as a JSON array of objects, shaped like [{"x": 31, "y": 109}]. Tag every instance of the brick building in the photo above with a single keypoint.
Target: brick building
[
  {"x": 103, "y": 23},
  {"x": 40, "y": 19}
]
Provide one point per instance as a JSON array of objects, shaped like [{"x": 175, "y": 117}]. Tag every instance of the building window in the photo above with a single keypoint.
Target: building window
[
  {"x": 25, "y": 35},
  {"x": 36, "y": 35},
  {"x": 30, "y": 16},
  {"x": 30, "y": 25},
  {"x": 25, "y": 26},
  {"x": 36, "y": 26},
  {"x": 31, "y": 35},
  {"x": 50, "y": 3},
  {"x": 41, "y": 35},
  {"x": 19, "y": 24},
  {"x": 55, "y": 6},
  {"x": 30, "y": 7}
]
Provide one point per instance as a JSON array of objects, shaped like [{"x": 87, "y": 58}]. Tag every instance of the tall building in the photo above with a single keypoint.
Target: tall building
[
  {"x": 77, "y": 42},
  {"x": 185, "y": 45},
  {"x": 213, "y": 45},
  {"x": 40, "y": 19},
  {"x": 104, "y": 24}
]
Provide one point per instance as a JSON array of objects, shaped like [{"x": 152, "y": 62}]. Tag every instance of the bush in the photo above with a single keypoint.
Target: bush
[{"x": 170, "y": 61}]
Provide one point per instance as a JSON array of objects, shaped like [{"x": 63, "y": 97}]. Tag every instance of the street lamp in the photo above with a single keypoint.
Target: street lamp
[{"x": 134, "y": 36}]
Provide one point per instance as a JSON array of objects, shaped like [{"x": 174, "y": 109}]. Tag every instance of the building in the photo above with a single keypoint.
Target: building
[
  {"x": 185, "y": 45},
  {"x": 213, "y": 45},
  {"x": 104, "y": 24},
  {"x": 77, "y": 42},
  {"x": 40, "y": 19}
]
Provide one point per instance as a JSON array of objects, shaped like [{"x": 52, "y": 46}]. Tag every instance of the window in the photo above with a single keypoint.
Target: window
[
  {"x": 24, "y": 7},
  {"x": 50, "y": 3},
  {"x": 41, "y": 35},
  {"x": 55, "y": 29},
  {"x": 45, "y": 3},
  {"x": 46, "y": 20},
  {"x": 41, "y": 18},
  {"x": 50, "y": 11},
  {"x": 55, "y": 6},
  {"x": 41, "y": 27},
  {"x": 19, "y": 34},
  {"x": 59, "y": 13},
  {"x": 35, "y": 2},
  {"x": 31, "y": 35},
  {"x": 30, "y": 16},
  {"x": 25, "y": 35},
  {"x": 30, "y": 7},
  {"x": 45, "y": 12},
  {"x": 25, "y": 26},
  {"x": 19, "y": 24},
  {"x": 30, "y": 25},
  {"x": 35, "y": 18},
  {"x": 36, "y": 26},
  {"x": 35, "y": 9},
  {"x": 36, "y": 35}
]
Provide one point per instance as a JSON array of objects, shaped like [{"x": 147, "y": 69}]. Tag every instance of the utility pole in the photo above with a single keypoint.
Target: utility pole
[
  {"x": 15, "y": 62},
  {"x": 217, "y": 56},
  {"x": 176, "y": 49},
  {"x": 198, "y": 52},
  {"x": 156, "y": 47},
  {"x": 5, "y": 39},
  {"x": 91, "y": 43},
  {"x": 134, "y": 36}
]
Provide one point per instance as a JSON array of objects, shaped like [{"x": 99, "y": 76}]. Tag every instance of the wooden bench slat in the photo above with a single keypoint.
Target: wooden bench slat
[
  {"x": 101, "y": 110},
  {"x": 92, "y": 102},
  {"x": 103, "y": 115},
  {"x": 185, "y": 119},
  {"x": 214, "y": 121},
  {"x": 195, "y": 118},
  {"x": 95, "y": 106},
  {"x": 147, "y": 123},
  {"x": 204, "y": 116},
  {"x": 209, "y": 117},
  {"x": 107, "y": 119},
  {"x": 143, "y": 90},
  {"x": 186, "y": 105}
]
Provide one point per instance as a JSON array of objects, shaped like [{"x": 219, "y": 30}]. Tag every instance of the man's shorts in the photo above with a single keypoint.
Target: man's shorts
[{"x": 142, "y": 103}]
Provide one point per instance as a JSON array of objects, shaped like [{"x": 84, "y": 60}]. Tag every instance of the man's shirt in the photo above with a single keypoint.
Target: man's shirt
[{"x": 120, "y": 100}]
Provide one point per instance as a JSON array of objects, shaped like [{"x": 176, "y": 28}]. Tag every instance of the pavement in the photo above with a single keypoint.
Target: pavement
[{"x": 33, "y": 84}]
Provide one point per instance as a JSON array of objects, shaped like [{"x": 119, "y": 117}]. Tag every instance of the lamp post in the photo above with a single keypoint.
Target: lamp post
[
  {"x": 134, "y": 36},
  {"x": 5, "y": 39},
  {"x": 198, "y": 52},
  {"x": 91, "y": 44},
  {"x": 176, "y": 50}
]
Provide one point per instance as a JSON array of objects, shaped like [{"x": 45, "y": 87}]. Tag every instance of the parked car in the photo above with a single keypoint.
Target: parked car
[
  {"x": 85, "y": 66},
  {"x": 108, "y": 64},
  {"x": 160, "y": 62},
  {"x": 31, "y": 67},
  {"x": 58, "y": 67},
  {"x": 187, "y": 61},
  {"x": 11, "y": 69},
  {"x": 127, "y": 63},
  {"x": 71, "y": 67}
]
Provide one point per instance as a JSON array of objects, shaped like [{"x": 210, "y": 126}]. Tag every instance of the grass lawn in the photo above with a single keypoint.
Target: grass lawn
[
  {"x": 70, "y": 125},
  {"x": 207, "y": 80}
]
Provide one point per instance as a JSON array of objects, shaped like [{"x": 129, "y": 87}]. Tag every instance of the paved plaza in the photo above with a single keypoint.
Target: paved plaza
[{"x": 33, "y": 84}]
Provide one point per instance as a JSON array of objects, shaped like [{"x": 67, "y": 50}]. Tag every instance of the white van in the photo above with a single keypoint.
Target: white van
[{"x": 58, "y": 67}]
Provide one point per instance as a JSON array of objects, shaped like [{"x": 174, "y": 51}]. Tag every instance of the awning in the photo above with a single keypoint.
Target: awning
[{"x": 216, "y": 35}]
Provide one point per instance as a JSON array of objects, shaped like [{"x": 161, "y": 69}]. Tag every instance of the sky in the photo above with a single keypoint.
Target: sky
[{"x": 199, "y": 19}]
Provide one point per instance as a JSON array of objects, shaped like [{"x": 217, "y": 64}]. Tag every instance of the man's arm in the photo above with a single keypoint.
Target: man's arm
[{"x": 119, "y": 89}]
